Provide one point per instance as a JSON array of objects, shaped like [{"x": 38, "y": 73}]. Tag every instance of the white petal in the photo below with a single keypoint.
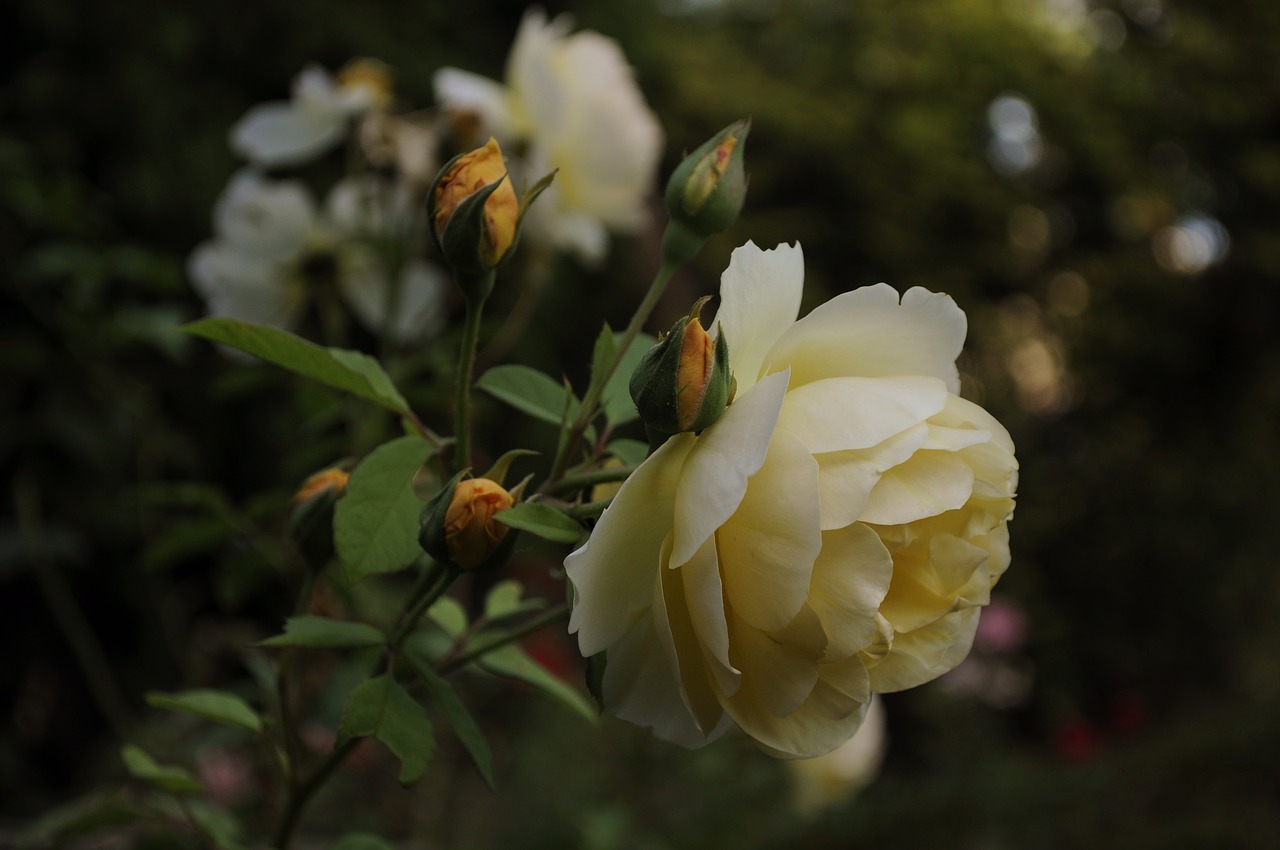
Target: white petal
[
  {"x": 846, "y": 479},
  {"x": 679, "y": 640},
  {"x": 926, "y": 485},
  {"x": 867, "y": 332},
  {"x": 924, "y": 654},
  {"x": 850, "y": 580},
  {"x": 934, "y": 578},
  {"x": 279, "y": 134},
  {"x": 827, "y": 719},
  {"x": 420, "y": 313},
  {"x": 641, "y": 688},
  {"x": 243, "y": 287},
  {"x": 777, "y": 678},
  {"x": 462, "y": 90},
  {"x": 314, "y": 87},
  {"x": 768, "y": 547},
  {"x": 608, "y": 142},
  {"x": 835, "y": 414},
  {"x": 419, "y": 301},
  {"x": 534, "y": 71},
  {"x": 269, "y": 218},
  {"x": 613, "y": 572},
  {"x": 759, "y": 299},
  {"x": 714, "y": 478},
  {"x": 704, "y": 595}
]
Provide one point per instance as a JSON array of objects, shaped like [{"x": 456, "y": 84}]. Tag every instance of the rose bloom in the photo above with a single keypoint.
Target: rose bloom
[
  {"x": 835, "y": 533},
  {"x": 274, "y": 249},
  {"x": 573, "y": 101},
  {"x": 316, "y": 119}
]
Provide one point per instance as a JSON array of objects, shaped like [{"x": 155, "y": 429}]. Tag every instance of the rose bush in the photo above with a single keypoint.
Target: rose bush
[{"x": 834, "y": 534}]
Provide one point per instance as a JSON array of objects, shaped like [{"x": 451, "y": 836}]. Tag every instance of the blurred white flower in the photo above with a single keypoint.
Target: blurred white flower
[
  {"x": 408, "y": 143},
  {"x": 291, "y": 132},
  {"x": 273, "y": 249},
  {"x": 573, "y": 102},
  {"x": 825, "y": 781}
]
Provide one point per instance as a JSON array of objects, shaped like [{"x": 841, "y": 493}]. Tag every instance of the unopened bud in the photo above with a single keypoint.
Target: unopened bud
[
  {"x": 474, "y": 210},
  {"x": 683, "y": 383},
  {"x": 311, "y": 521},
  {"x": 459, "y": 525},
  {"x": 706, "y": 191}
]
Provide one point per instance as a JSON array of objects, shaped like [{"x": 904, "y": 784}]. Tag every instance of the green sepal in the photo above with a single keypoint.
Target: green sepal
[
  {"x": 431, "y": 528},
  {"x": 656, "y": 389}
]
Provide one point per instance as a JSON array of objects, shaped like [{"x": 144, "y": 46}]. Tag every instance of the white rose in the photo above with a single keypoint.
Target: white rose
[
  {"x": 574, "y": 100},
  {"x": 269, "y": 238},
  {"x": 292, "y": 132},
  {"x": 834, "y": 534}
]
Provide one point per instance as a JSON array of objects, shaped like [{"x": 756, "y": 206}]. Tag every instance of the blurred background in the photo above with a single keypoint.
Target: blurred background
[{"x": 1097, "y": 184}]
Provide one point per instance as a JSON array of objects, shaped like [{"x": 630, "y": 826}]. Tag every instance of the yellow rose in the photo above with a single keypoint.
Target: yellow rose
[
  {"x": 471, "y": 534},
  {"x": 466, "y": 175},
  {"x": 835, "y": 533}
]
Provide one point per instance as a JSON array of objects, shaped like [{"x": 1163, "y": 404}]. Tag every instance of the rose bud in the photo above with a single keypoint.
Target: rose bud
[
  {"x": 474, "y": 210},
  {"x": 458, "y": 525},
  {"x": 706, "y": 191},
  {"x": 311, "y": 522},
  {"x": 683, "y": 382}
]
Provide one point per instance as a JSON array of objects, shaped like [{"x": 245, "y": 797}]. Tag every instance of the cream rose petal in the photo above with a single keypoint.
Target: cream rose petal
[
  {"x": 868, "y": 332},
  {"x": 714, "y": 478},
  {"x": 768, "y": 547},
  {"x": 836, "y": 414},
  {"x": 684, "y": 655},
  {"x": 704, "y": 596},
  {"x": 926, "y": 653},
  {"x": 846, "y": 479},
  {"x": 613, "y": 572},
  {"x": 927, "y": 484},
  {"x": 827, "y": 719},
  {"x": 640, "y": 687},
  {"x": 850, "y": 579},
  {"x": 777, "y": 677},
  {"x": 759, "y": 299}
]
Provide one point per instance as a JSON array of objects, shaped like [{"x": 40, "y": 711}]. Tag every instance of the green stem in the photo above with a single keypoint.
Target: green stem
[
  {"x": 573, "y": 483},
  {"x": 587, "y": 411},
  {"x": 546, "y": 617},
  {"x": 588, "y": 509},
  {"x": 466, "y": 363},
  {"x": 299, "y": 799},
  {"x": 432, "y": 583}
]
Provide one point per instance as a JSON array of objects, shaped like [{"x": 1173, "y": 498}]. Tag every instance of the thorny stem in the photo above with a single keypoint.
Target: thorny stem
[
  {"x": 573, "y": 483},
  {"x": 466, "y": 363},
  {"x": 458, "y": 661},
  {"x": 432, "y": 583},
  {"x": 588, "y": 409}
]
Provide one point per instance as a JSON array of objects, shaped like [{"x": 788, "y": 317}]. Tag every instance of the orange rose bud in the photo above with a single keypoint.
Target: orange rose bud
[
  {"x": 474, "y": 209},
  {"x": 332, "y": 480},
  {"x": 683, "y": 383},
  {"x": 471, "y": 534}
]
